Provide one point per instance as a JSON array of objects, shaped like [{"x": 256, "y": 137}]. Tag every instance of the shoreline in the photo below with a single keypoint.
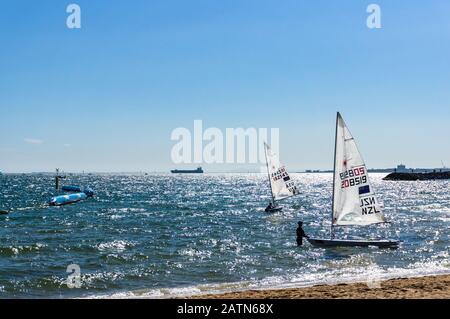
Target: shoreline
[{"x": 426, "y": 287}]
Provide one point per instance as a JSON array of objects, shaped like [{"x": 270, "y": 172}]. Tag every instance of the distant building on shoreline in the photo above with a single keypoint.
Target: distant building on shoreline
[{"x": 401, "y": 168}]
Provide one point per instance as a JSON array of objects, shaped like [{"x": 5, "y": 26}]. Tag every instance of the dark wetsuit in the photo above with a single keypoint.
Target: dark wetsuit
[{"x": 300, "y": 235}]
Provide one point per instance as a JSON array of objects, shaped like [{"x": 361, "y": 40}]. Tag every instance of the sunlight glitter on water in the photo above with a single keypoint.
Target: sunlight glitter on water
[{"x": 163, "y": 235}]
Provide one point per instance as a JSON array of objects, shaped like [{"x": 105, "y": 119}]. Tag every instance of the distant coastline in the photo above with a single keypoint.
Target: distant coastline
[
  {"x": 399, "y": 169},
  {"x": 417, "y": 176}
]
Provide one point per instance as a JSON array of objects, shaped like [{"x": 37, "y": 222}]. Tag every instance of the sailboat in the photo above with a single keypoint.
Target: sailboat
[
  {"x": 354, "y": 200},
  {"x": 281, "y": 184}
]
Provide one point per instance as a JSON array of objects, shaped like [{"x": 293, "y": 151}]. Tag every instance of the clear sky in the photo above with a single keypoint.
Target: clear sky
[{"x": 107, "y": 97}]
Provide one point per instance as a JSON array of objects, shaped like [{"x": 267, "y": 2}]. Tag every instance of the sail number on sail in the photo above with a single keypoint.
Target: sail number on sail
[
  {"x": 358, "y": 177},
  {"x": 281, "y": 173},
  {"x": 369, "y": 206},
  {"x": 353, "y": 177}
]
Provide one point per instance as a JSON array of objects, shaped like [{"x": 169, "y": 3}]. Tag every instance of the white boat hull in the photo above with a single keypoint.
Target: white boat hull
[{"x": 353, "y": 243}]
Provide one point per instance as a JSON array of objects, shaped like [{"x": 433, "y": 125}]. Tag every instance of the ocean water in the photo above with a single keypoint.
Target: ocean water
[{"x": 163, "y": 235}]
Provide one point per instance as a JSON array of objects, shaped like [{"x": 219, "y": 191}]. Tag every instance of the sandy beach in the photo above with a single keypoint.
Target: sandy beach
[{"x": 430, "y": 287}]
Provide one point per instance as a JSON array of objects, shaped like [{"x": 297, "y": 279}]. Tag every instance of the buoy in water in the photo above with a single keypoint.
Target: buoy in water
[
  {"x": 71, "y": 188},
  {"x": 67, "y": 199},
  {"x": 72, "y": 198}
]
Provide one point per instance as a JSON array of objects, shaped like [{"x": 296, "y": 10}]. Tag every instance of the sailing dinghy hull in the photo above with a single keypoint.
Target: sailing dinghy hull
[
  {"x": 273, "y": 210},
  {"x": 67, "y": 199},
  {"x": 353, "y": 243}
]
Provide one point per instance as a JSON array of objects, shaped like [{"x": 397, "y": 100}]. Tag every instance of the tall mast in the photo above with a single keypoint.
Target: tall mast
[
  {"x": 334, "y": 173},
  {"x": 57, "y": 179},
  {"x": 268, "y": 172}
]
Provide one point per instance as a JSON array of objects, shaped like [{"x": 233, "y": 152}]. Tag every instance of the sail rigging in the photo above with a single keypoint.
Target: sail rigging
[
  {"x": 281, "y": 184},
  {"x": 354, "y": 199}
]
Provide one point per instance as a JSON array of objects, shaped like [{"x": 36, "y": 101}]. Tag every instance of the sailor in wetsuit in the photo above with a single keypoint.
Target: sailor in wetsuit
[
  {"x": 300, "y": 234},
  {"x": 270, "y": 207}
]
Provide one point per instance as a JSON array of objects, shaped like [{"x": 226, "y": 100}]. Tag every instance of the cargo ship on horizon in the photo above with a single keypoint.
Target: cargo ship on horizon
[{"x": 199, "y": 170}]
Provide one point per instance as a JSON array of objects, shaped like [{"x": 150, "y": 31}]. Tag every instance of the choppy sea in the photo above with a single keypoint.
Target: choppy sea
[{"x": 164, "y": 235}]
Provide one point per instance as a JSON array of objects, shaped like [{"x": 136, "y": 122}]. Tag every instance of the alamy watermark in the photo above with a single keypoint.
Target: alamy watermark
[
  {"x": 74, "y": 19},
  {"x": 374, "y": 19},
  {"x": 74, "y": 279},
  {"x": 373, "y": 283},
  {"x": 214, "y": 146}
]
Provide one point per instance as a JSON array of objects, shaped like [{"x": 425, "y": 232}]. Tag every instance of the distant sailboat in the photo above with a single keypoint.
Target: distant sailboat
[
  {"x": 281, "y": 185},
  {"x": 354, "y": 200}
]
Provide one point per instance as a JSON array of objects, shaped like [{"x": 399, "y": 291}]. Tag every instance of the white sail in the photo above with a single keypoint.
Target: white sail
[
  {"x": 354, "y": 202},
  {"x": 281, "y": 183}
]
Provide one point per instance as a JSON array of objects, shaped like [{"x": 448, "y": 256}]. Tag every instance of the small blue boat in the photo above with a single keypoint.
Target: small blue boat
[
  {"x": 67, "y": 199},
  {"x": 71, "y": 188},
  {"x": 89, "y": 192}
]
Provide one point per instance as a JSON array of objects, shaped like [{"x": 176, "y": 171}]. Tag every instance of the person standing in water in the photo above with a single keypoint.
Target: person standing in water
[{"x": 300, "y": 234}]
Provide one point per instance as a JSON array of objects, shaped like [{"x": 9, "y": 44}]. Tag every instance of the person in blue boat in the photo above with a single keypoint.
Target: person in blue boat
[{"x": 300, "y": 234}]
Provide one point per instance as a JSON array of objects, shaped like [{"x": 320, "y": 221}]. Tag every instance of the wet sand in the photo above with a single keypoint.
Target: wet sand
[{"x": 430, "y": 287}]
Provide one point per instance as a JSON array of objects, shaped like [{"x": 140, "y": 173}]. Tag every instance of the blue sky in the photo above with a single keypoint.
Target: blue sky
[{"x": 107, "y": 97}]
